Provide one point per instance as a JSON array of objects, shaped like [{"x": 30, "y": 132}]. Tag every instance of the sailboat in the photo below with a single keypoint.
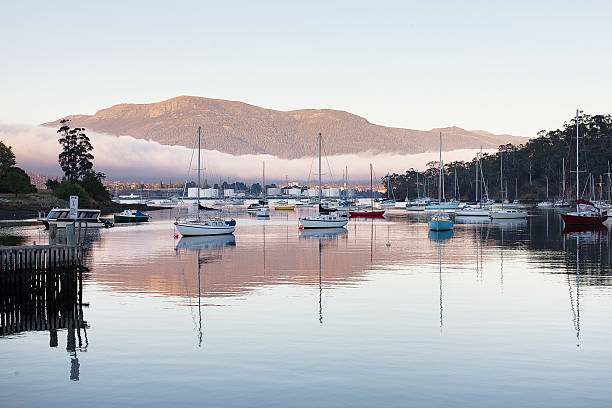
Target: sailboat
[
  {"x": 209, "y": 226},
  {"x": 476, "y": 211},
  {"x": 322, "y": 220},
  {"x": 546, "y": 203},
  {"x": 441, "y": 221},
  {"x": 263, "y": 211},
  {"x": 586, "y": 213},
  {"x": 505, "y": 213},
  {"x": 370, "y": 211}
]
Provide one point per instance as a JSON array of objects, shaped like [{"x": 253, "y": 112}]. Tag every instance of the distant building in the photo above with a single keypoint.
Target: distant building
[
  {"x": 331, "y": 192},
  {"x": 312, "y": 192},
  {"x": 274, "y": 191},
  {"x": 229, "y": 193},
  {"x": 192, "y": 192},
  {"x": 293, "y": 192}
]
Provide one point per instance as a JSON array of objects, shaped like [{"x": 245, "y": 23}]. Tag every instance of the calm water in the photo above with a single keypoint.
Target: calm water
[{"x": 503, "y": 314}]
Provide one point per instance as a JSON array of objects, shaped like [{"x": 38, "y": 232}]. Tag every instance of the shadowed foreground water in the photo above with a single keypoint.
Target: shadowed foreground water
[{"x": 381, "y": 313}]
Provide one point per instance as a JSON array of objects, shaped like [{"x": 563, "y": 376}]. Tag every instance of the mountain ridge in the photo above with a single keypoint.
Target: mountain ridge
[{"x": 239, "y": 128}]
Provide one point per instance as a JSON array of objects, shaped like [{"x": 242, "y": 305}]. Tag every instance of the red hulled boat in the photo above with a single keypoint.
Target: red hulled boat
[
  {"x": 367, "y": 212},
  {"x": 586, "y": 214}
]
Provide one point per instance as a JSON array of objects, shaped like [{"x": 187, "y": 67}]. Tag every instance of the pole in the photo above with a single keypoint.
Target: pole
[
  {"x": 264, "y": 179},
  {"x": 199, "y": 137},
  {"x": 577, "y": 167},
  {"x": 320, "y": 191},
  {"x": 371, "y": 193},
  {"x": 440, "y": 175}
]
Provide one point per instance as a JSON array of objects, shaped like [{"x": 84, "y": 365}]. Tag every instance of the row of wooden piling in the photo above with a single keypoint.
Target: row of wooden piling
[{"x": 40, "y": 257}]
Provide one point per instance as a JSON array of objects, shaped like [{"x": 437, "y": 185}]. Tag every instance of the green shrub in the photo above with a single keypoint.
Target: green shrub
[
  {"x": 67, "y": 189},
  {"x": 14, "y": 180}
]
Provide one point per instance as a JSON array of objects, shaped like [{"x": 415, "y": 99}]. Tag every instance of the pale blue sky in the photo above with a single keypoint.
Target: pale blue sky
[{"x": 504, "y": 66}]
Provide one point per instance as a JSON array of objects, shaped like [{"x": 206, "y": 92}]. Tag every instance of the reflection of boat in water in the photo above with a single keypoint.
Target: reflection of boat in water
[
  {"x": 440, "y": 235},
  {"x": 463, "y": 219},
  {"x": 206, "y": 242},
  {"x": 568, "y": 229},
  {"x": 509, "y": 224},
  {"x": 323, "y": 233}
]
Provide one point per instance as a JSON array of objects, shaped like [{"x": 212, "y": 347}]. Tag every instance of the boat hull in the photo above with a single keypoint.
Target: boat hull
[
  {"x": 440, "y": 225},
  {"x": 123, "y": 219},
  {"x": 472, "y": 213},
  {"x": 306, "y": 223},
  {"x": 508, "y": 215},
  {"x": 370, "y": 214},
  {"x": 84, "y": 224},
  {"x": 201, "y": 229},
  {"x": 285, "y": 208},
  {"x": 575, "y": 219}
]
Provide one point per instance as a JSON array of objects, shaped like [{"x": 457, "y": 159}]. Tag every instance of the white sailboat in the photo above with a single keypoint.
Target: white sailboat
[
  {"x": 322, "y": 220},
  {"x": 441, "y": 221},
  {"x": 202, "y": 227},
  {"x": 474, "y": 211},
  {"x": 505, "y": 213},
  {"x": 263, "y": 211}
]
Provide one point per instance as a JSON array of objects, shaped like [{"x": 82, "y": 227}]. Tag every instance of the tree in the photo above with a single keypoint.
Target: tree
[
  {"x": 75, "y": 159},
  {"x": 16, "y": 181},
  {"x": 51, "y": 184},
  {"x": 92, "y": 183},
  {"x": 7, "y": 157}
]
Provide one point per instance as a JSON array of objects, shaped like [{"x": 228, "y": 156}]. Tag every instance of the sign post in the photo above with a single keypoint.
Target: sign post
[{"x": 74, "y": 207}]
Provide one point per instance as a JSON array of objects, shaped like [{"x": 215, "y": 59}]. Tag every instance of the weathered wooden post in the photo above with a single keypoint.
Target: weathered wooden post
[{"x": 52, "y": 234}]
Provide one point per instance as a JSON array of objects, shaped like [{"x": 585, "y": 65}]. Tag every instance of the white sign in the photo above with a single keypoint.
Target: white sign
[{"x": 74, "y": 207}]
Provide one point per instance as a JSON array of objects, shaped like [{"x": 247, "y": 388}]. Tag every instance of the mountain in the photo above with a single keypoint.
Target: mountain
[{"x": 239, "y": 128}]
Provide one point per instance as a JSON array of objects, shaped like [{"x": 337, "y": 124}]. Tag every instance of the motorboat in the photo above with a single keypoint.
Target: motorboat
[
  {"x": 127, "y": 216},
  {"x": 507, "y": 214},
  {"x": 212, "y": 226},
  {"x": 263, "y": 211},
  {"x": 387, "y": 204},
  {"x": 284, "y": 205},
  {"x": 323, "y": 221},
  {"x": 545, "y": 204},
  {"x": 85, "y": 218}
]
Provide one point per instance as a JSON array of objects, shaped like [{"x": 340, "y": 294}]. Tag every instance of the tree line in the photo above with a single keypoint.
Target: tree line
[{"x": 526, "y": 167}]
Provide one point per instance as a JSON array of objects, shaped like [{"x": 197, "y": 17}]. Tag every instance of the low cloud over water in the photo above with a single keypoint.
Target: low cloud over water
[{"x": 126, "y": 158}]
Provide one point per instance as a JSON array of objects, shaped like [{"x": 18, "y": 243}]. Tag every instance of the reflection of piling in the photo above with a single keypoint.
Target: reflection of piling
[{"x": 41, "y": 299}]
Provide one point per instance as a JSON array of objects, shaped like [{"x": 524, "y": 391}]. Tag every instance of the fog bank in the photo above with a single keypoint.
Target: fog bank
[{"x": 125, "y": 158}]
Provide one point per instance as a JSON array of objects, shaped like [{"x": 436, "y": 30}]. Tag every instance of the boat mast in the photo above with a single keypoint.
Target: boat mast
[
  {"x": 320, "y": 191},
  {"x": 198, "y": 211},
  {"x": 440, "y": 176},
  {"x": 577, "y": 168},
  {"x": 476, "y": 180},
  {"x": 264, "y": 179},
  {"x": 371, "y": 193},
  {"x": 501, "y": 175}
]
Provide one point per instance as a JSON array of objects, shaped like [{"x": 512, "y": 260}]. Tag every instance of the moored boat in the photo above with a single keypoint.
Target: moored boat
[
  {"x": 85, "y": 217},
  {"x": 127, "y": 216},
  {"x": 323, "y": 221},
  {"x": 213, "y": 226},
  {"x": 507, "y": 214}
]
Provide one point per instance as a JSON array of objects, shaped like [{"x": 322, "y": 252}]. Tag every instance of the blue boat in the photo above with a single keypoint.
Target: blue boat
[{"x": 441, "y": 222}]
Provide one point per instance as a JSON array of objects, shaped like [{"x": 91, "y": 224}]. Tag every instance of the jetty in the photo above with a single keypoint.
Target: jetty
[{"x": 16, "y": 258}]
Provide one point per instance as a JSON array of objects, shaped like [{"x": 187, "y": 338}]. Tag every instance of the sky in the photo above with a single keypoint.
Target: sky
[{"x": 513, "y": 67}]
